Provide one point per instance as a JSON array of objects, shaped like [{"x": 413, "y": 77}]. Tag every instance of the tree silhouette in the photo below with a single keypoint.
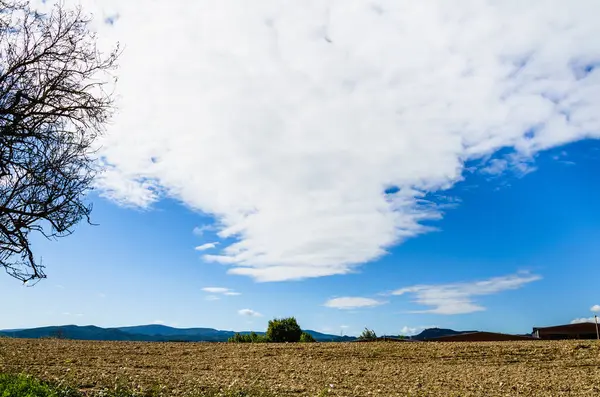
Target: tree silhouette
[{"x": 53, "y": 106}]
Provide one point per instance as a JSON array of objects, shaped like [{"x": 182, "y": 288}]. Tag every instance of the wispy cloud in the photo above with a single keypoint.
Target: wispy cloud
[
  {"x": 298, "y": 182},
  {"x": 517, "y": 163},
  {"x": 206, "y": 246},
  {"x": 459, "y": 298},
  {"x": 200, "y": 230},
  {"x": 595, "y": 308},
  {"x": 215, "y": 290},
  {"x": 249, "y": 313},
  {"x": 72, "y": 314},
  {"x": 352, "y": 302},
  {"x": 221, "y": 291},
  {"x": 212, "y": 298}
]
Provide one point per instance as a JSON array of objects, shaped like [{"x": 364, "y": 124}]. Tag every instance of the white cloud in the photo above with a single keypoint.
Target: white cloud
[
  {"x": 517, "y": 163},
  {"x": 200, "y": 230},
  {"x": 349, "y": 302},
  {"x": 72, "y": 314},
  {"x": 212, "y": 298},
  {"x": 409, "y": 331},
  {"x": 215, "y": 290},
  {"x": 249, "y": 313},
  {"x": 287, "y": 123},
  {"x": 458, "y": 298},
  {"x": 221, "y": 291},
  {"x": 595, "y": 308},
  {"x": 158, "y": 322},
  {"x": 206, "y": 246},
  {"x": 583, "y": 320},
  {"x": 495, "y": 167}
]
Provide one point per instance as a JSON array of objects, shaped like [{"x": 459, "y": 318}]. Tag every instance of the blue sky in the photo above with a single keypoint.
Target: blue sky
[
  {"x": 395, "y": 165},
  {"x": 140, "y": 266}
]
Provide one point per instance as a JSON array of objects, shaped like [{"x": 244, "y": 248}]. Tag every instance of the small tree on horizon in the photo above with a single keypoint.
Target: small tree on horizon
[
  {"x": 368, "y": 334},
  {"x": 284, "y": 330},
  {"x": 252, "y": 337},
  {"x": 306, "y": 338}
]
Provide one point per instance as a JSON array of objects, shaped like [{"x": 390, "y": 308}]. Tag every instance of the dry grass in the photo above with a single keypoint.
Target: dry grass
[{"x": 353, "y": 369}]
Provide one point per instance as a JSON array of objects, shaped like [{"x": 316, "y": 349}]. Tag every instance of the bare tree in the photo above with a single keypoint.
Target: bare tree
[{"x": 53, "y": 105}]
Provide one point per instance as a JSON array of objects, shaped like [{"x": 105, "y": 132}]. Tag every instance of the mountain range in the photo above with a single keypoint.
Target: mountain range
[{"x": 144, "y": 333}]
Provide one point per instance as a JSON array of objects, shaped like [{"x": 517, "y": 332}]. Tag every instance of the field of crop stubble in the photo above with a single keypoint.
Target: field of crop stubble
[{"x": 536, "y": 368}]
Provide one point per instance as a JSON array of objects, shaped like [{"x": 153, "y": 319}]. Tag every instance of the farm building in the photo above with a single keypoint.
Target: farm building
[
  {"x": 568, "y": 331},
  {"x": 479, "y": 337}
]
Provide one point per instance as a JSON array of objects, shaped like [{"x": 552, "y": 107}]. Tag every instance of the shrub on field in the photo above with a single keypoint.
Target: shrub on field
[
  {"x": 28, "y": 386},
  {"x": 306, "y": 338},
  {"x": 252, "y": 337},
  {"x": 22, "y": 385},
  {"x": 368, "y": 334},
  {"x": 280, "y": 330},
  {"x": 284, "y": 330}
]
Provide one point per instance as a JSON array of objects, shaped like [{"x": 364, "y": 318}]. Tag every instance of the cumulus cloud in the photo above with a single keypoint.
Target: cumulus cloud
[
  {"x": 249, "y": 313},
  {"x": 595, "y": 308},
  {"x": 350, "y": 302},
  {"x": 206, "y": 246},
  {"x": 221, "y": 291},
  {"x": 583, "y": 320},
  {"x": 288, "y": 124},
  {"x": 458, "y": 298},
  {"x": 409, "y": 331}
]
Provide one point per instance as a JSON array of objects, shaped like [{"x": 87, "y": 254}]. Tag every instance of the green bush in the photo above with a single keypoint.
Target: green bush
[
  {"x": 26, "y": 386},
  {"x": 306, "y": 338},
  {"x": 284, "y": 330},
  {"x": 252, "y": 337},
  {"x": 368, "y": 334}
]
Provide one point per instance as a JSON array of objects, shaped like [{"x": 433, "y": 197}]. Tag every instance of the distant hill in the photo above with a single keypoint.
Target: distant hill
[
  {"x": 329, "y": 338},
  {"x": 186, "y": 334},
  {"x": 144, "y": 333},
  {"x": 88, "y": 332},
  {"x": 437, "y": 332}
]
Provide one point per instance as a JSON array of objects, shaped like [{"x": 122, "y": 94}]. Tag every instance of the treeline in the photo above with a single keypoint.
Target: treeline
[{"x": 283, "y": 330}]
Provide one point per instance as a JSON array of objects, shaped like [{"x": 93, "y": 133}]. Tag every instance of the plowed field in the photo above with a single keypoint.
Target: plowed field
[{"x": 328, "y": 369}]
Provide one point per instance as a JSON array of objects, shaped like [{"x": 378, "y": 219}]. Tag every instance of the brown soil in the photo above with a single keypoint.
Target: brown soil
[{"x": 533, "y": 368}]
